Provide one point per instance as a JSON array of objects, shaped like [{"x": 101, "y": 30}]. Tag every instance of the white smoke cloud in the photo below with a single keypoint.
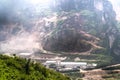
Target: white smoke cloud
[{"x": 21, "y": 42}]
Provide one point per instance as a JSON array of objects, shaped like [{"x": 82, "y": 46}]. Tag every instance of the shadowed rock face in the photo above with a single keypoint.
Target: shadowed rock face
[
  {"x": 68, "y": 36},
  {"x": 66, "y": 40}
]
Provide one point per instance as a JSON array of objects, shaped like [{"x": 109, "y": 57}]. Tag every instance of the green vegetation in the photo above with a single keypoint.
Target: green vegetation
[
  {"x": 14, "y": 68},
  {"x": 104, "y": 60}
]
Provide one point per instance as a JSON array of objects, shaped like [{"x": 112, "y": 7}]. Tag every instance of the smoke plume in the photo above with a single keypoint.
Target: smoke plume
[{"x": 21, "y": 26}]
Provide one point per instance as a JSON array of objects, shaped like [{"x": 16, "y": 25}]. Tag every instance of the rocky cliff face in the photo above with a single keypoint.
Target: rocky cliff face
[
  {"x": 96, "y": 18},
  {"x": 68, "y": 35}
]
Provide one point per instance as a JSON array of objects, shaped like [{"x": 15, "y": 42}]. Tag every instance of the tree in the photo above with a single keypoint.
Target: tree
[{"x": 27, "y": 67}]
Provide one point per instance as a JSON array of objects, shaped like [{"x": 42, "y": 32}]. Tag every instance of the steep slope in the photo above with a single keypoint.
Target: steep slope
[
  {"x": 83, "y": 26},
  {"x": 67, "y": 35}
]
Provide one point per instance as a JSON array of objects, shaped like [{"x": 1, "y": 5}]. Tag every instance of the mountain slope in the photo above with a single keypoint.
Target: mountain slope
[
  {"x": 87, "y": 26},
  {"x": 14, "y": 68}
]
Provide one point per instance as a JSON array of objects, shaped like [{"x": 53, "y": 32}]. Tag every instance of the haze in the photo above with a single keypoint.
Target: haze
[{"x": 116, "y": 5}]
